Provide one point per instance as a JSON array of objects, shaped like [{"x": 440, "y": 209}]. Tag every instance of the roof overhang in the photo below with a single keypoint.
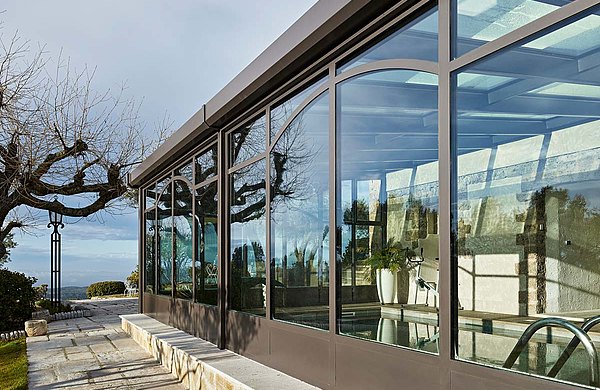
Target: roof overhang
[{"x": 320, "y": 29}]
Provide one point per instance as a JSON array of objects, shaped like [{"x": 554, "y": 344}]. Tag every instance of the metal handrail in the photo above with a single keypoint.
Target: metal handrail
[
  {"x": 561, "y": 323},
  {"x": 586, "y": 327}
]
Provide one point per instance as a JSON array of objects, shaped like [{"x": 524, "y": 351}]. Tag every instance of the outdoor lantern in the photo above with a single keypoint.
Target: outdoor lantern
[
  {"x": 55, "y": 256},
  {"x": 55, "y": 217}
]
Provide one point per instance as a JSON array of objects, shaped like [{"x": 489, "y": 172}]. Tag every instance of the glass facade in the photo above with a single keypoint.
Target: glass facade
[
  {"x": 300, "y": 218},
  {"x": 182, "y": 233},
  {"x": 403, "y": 203},
  {"x": 527, "y": 201},
  {"x": 387, "y": 207},
  {"x": 247, "y": 237}
]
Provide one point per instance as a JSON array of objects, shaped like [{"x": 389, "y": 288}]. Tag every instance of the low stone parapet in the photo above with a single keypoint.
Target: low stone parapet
[
  {"x": 186, "y": 357},
  {"x": 8, "y": 336}
]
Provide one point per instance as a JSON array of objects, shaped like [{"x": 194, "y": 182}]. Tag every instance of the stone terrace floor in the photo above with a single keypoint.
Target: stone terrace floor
[{"x": 94, "y": 353}]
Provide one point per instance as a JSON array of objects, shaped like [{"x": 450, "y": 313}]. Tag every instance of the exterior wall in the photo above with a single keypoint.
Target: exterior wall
[{"x": 507, "y": 260}]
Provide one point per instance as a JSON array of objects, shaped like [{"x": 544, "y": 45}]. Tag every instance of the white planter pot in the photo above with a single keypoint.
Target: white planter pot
[{"x": 386, "y": 285}]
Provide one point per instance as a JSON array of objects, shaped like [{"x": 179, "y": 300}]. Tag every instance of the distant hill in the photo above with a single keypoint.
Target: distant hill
[{"x": 72, "y": 292}]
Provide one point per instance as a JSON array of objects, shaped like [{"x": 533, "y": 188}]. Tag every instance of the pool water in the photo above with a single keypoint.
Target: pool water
[{"x": 489, "y": 347}]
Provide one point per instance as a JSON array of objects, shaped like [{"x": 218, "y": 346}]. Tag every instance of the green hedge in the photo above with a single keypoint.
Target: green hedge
[
  {"x": 17, "y": 299},
  {"x": 105, "y": 288}
]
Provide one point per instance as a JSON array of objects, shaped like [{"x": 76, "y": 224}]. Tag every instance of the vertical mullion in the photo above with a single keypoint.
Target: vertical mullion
[
  {"x": 173, "y": 253},
  {"x": 268, "y": 313},
  {"x": 332, "y": 226},
  {"x": 444, "y": 177},
  {"x": 141, "y": 249},
  {"x": 194, "y": 229},
  {"x": 222, "y": 235}
]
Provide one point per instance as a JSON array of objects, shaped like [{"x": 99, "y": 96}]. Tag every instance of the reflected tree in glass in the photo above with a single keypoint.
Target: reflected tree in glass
[
  {"x": 182, "y": 232},
  {"x": 299, "y": 218}
]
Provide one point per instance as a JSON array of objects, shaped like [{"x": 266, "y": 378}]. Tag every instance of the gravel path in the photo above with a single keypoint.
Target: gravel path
[{"x": 94, "y": 353}]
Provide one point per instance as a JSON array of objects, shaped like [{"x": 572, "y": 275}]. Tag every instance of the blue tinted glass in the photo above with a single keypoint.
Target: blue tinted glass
[
  {"x": 248, "y": 239},
  {"x": 182, "y": 232},
  {"x": 527, "y": 200},
  {"x": 387, "y": 207},
  {"x": 207, "y": 245},
  {"x": 281, "y": 113},
  {"x": 482, "y": 21},
  {"x": 415, "y": 40},
  {"x": 300, "y": 218}
]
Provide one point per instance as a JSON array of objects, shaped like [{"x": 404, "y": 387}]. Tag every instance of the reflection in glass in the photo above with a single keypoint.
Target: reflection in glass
[
  {"x": 283, "y": 111},
  {"x": 248, "y": 239},
  {"x": 387, "y": 207},
  {"x": 149, "y": 250},
  {"x": 415, "y": 40},
  {"x": 207, "y": 250},
  {"x": 248, "y": 141},
  {"x": 527, "y": 202},
  {"x": 165, "y": 241},
  {"x": 206, "y": 164},
  {"x": 299, "y": 219},
  {"x": 182, "y": 231},
  {"x": 150, "y": 196},
  {"x": 186, "y": 171},
  {"x": 482, "y": 21}
]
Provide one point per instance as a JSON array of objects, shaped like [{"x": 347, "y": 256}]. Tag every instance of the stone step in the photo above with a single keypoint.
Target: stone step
[{"x": 188, "y": 358}]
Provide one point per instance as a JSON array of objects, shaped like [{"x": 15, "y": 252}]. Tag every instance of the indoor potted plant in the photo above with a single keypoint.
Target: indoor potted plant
[{"x": 390, "y": 266}]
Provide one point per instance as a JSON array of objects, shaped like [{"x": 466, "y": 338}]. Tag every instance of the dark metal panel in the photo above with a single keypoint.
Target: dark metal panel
[
  {"x": 181, "y": 312},
  {"x": 158, "y": 307},
  {"x": 205, "y": 322},
  {"x": 248, "y": 335},
  {"x": 358, "y": 366},
  {"x": 300, "y": 356}
]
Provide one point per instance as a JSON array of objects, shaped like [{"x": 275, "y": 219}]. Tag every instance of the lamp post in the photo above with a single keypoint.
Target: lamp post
[{"x": 55, "y": 222}]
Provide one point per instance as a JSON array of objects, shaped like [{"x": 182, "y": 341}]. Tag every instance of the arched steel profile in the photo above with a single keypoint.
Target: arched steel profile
[
  {"x": 560, "y": 323},
  {"x": 404, "y": 64}
]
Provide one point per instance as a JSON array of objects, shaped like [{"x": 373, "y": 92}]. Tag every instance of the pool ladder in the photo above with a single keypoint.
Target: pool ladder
[{"x": 580, "y": 336}]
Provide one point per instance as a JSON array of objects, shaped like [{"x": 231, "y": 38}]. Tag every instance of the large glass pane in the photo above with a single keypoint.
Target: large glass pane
[
  {"x": 527, "y": 202},
  {"x": 416, "y": 40},
  {"x": 207, "y": 250},
  {"x": 206, "y": 164},
  {"x": 248, "y": 239},
  {"x": 149, "y": 250},
  {"x": 299, "y": 219},
  {"x": 284, "y": 110},
  {"x": 248, "y": 141},
  {"x": 482, "y": 21},
  {"x": 182, "y": 230},
  {"x": 165, "y": 240},
  {"x": 386, "y": 211}
]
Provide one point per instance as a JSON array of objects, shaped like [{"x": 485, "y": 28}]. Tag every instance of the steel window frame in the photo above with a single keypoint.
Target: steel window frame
[{"x": 446, "y": 69}]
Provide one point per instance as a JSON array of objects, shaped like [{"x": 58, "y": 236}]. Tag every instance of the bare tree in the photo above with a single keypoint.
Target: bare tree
[{"x": 63, "y": 146}]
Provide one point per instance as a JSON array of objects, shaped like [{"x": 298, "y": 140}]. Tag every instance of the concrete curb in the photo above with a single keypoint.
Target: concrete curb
[{"x": 192, "y": 372}]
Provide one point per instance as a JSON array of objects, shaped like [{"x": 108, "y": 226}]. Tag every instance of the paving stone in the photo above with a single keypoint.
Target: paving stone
[
  {"x": 81, "y": 353},
  {"x": 102, "y": 347}
]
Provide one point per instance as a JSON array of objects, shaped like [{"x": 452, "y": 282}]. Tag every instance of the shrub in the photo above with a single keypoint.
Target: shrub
[
  {"x": 17, "y": 299},
  {"x": 105, "y": 288},
  {"x": 47, "y": 304}
]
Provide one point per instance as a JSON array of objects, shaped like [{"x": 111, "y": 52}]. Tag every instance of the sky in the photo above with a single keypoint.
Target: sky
[{"x": 173, "y": 56}]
